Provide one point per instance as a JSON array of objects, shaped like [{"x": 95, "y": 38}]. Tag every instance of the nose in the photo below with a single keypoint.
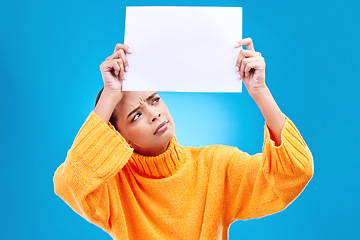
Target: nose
[{"x": 155, "y": 116}]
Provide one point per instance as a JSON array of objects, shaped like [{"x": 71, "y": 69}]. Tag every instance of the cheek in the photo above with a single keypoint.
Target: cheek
[
  {"x": 124, "y": 129},
  {"x": 167, "y": 113},
  {"x": 136, "y": 132}
]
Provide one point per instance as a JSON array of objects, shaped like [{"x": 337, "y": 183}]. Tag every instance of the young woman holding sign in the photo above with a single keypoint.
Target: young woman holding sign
[{"x": 126, "y": 173}]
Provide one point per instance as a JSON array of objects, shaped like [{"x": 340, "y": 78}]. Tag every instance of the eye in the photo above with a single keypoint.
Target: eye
[
  {"x": 156, "y": 100},
  {"x": 137, "y": 115}
]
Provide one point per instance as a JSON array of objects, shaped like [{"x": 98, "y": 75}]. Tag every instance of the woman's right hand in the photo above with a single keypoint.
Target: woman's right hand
[
  {"x": 113, "y": 69},
  {"x": 113, "y": 72}
]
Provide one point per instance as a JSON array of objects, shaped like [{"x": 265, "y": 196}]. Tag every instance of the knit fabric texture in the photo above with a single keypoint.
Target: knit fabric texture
[{"x": 183, "y": 193}]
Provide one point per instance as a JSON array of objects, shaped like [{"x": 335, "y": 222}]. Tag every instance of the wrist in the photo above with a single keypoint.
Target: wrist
[
  {"x": 112, "y": 96},
  {"x": 107, "y": 104},
  {"x": 259, "y": 92}
]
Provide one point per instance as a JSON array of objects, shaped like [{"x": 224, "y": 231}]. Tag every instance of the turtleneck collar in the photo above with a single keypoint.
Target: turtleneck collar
[{"x": 160, "y": 166}]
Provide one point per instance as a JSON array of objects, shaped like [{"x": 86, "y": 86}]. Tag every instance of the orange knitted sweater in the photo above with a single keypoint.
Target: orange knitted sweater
[{"x": 184, "y": 193}]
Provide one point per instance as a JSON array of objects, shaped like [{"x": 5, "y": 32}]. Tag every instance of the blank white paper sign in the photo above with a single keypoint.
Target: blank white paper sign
[{"x": 183, "y": 49}]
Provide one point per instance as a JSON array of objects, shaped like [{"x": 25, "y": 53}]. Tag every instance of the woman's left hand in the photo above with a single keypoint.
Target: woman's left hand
[{"x": 251, "y": 67}]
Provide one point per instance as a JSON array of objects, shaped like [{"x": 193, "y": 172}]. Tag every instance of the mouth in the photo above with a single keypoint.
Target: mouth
[{"x": 162, "y": 127}]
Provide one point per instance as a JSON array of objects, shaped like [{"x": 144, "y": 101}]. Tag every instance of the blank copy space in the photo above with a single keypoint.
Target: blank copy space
[{"x": 183, "y": 49}]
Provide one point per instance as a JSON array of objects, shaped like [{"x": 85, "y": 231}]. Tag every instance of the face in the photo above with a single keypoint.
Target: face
[{"x": 145, "y": 122}]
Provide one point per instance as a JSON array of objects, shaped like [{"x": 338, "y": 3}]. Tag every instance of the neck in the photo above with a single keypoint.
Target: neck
[{"x": 152, "y": 151}]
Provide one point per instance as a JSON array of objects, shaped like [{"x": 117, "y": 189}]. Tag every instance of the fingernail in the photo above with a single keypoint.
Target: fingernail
[
  {"x": 237, "y": 44},
  {"x": 123, "y": 77},
  {"x": 129, "y": 50},
  {"x": 237, "y": 68},
  {"x": 126, "y": 68},
  {"x": 246, "y": 74}
]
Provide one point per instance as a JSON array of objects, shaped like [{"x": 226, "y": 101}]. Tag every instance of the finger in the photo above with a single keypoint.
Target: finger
[
  {"x": 123, "y": 57},
  {"x": 245, "y": 54},
  {"x": 120, "y": 63},
  {"x": 115, "y": 55},
  {"x": 120, "y": 54},
  {"x": 126, "y": 48},
  {"x": 244, "y": 63},
  {"x": 257, "y": 65},
  {"x": 246, "y": 41},
  {"x": 110, "y": 66},
  {"x": 115, "y": 65}
]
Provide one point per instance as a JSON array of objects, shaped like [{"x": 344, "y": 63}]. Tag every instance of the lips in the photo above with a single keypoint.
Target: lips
[{"x": 162, "y": 127}]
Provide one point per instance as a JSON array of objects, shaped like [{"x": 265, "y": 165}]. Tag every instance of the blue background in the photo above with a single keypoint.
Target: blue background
[{"x": 50, "y": 57}]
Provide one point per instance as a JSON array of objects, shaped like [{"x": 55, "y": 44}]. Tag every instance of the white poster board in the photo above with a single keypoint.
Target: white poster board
[{"x": 183, "y": 49}]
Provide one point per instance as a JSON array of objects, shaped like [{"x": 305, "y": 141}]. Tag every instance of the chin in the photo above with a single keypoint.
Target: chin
[{"x": 166, "y": 138}]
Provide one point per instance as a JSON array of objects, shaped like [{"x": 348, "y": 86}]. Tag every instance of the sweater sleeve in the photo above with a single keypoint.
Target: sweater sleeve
[
  {"x": 268, "y": 182},
  {"x": 98, "y": 153}
]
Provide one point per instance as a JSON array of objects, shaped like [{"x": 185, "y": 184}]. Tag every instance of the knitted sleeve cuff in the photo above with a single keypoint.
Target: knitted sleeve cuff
[
  {"x": 98, "y": 150},
  {"x": 291, "y": 156}
]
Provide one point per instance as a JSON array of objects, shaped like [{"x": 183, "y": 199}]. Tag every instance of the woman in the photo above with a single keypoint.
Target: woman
[{"x": 130, "y": 177}]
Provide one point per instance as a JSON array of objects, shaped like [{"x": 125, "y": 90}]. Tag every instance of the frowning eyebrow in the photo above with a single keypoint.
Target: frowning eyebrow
[{"x": 136, "y": 109}]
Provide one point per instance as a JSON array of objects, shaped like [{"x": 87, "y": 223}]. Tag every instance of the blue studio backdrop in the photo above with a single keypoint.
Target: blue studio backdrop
[{"x": 50, "y": 57}]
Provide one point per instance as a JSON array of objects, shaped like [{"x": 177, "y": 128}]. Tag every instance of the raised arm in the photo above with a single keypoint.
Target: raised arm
[
  {"x": 268, "y": 182},
  {"x": 98, "y": 153},
  {"x": 251, "y": 67}
]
